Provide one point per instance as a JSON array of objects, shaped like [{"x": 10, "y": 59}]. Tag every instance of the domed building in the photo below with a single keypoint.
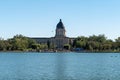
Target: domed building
[
  {"x": 60, "y": 39},
  {"x": 60, "y": 30}
]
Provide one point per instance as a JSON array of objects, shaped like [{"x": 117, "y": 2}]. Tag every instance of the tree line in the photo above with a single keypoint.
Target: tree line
[
  {"x": 20, "y": 43},
  {"x": 98, "y": 43},
  {"x": 92, "y": 43}
]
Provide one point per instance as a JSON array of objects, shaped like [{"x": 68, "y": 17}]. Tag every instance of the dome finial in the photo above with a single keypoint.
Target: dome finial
[{"x": 60, "y": 20}]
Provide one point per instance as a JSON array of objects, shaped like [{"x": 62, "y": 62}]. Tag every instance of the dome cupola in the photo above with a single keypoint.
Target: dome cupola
[
  {"x": 60, "y": 25},
  {"x": 60, "y": 30}
]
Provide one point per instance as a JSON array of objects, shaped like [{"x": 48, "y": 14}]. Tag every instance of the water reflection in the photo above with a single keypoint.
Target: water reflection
[{"x": 60, "y": 66}]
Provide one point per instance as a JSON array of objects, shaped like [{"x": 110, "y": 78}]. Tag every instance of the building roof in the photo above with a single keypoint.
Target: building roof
[{"x": 60, "y": 25}]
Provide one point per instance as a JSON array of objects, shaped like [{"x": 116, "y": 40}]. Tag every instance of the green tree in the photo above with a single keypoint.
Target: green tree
[
  {"x": 20, "y": 42},
  {"x": 2, "y": 45}
]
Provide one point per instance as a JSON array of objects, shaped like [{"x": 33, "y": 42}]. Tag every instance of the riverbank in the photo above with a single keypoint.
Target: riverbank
[{"x": 59, "y": 51}]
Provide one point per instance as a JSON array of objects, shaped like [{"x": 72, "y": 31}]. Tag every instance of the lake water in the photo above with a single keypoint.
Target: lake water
[{"x": 59, "y": 66}]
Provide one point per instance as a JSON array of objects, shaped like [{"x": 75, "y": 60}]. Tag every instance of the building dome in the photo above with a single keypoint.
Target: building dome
[
  {"x": 60, "y": 30},
  {"x": 60, "y": 25}
]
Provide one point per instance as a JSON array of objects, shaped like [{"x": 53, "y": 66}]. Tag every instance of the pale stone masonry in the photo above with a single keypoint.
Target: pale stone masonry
[{"x": 60, "y": 38}]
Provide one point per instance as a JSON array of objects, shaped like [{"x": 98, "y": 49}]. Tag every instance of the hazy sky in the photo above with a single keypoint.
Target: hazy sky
[{"x": 38, "y": 18}]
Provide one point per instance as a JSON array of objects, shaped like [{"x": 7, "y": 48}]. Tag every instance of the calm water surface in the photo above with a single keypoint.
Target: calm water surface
[{"x": 61, "y": 66}]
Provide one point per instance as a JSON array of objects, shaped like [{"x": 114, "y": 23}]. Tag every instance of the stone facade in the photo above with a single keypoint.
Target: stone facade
[{"x": 60, "y": 38}]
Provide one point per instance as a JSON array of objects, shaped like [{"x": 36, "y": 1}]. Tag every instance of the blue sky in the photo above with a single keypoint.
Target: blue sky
[{"x": 38, "y": 18}]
